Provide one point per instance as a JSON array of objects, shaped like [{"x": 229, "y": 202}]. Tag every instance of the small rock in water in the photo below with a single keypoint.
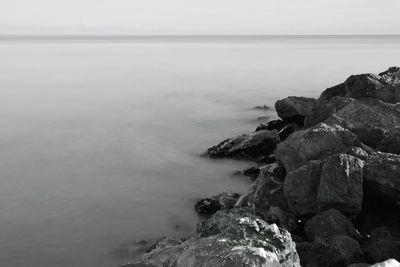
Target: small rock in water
[
  {"x": 209, "y": 206},
  {"x": 263, "y": 107}
]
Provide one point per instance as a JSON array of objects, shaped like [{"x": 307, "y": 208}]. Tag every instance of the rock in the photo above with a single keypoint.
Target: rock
[
  {"x": 301, "y": 188},
  {"x": 267, "y": 159},
  {"x": 276, "y": 125},
  {"x": 261, "y": 127},
  {"x": 385, "y": 87},
  {"x": 317, "y": 142},
  {"x": 391, "y": 142},
  {"x": 247, "y": 146},
  {"x": 380, "y": 249},
  {"x": 381, "y": 177},
  {"x": 387, "y": 263},
  {"x": 341, "y": 184},
  {"x": 358, "y": 152},
  {"x": 252, "y": 172},
  {"x": 295, "y": 109},
  {"x": 330, "y": 223},
  {"x": 288, "y": 130},
  {"x": 266, "y": 191},
  {"x": 228, "y": 238},
  {"x": 370, "y": 119},
  {"x": 263, "y": 107},
  {"x": 280, "y": 217},
  {"x": 361, "y": 264},
  {"x": 330, "y": 252},
  {"x": 324, "y": 109},
  {"x": 208, "y": 206}
]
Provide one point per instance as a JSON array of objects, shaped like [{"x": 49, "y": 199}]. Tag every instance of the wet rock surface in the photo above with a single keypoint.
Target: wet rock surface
[{"x": 209, "y": 206}]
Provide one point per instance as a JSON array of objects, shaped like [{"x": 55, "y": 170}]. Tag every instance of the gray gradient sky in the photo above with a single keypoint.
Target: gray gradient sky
[{"x": 200, "y": 16}]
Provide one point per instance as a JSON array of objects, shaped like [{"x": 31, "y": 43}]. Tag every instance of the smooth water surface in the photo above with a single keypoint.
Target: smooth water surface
[{"x": 100, "y": 140}]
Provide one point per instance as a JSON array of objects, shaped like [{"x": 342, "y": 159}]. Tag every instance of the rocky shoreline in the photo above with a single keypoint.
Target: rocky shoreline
[{"x": 326, "y": 188}]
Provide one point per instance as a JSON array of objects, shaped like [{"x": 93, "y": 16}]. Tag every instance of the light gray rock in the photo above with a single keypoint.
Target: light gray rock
[
  {"x": 341, "y": 184},
  {"x": 317, "y": 142},
  {"x": 229, "y": 238},
  {"x": 248, "y": 146}
]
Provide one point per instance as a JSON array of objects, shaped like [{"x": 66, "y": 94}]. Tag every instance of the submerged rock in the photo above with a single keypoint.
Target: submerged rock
[
  {"x": 385, "y": 87},
  {"x": 335, "y": 251},
  {"x": 209, "y": 206},
  {"x": 295, "y": 109},
  {"x": 228, "y": 238},
  {"x": 247, "y": 146},
  {"x": 317, "y": 142},
  {"x": 382, "y": 177},
  {"x": 330, "y": 223},
  {"x": 266, "y": 191}
]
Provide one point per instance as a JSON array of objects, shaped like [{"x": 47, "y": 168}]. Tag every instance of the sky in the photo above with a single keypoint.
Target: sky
[{"x": 200, "y": 16}]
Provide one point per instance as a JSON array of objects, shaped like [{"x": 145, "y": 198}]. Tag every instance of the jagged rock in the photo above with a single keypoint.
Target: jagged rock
[
  {"x": 317, "y": 142},
  {"x": 209, "y": 206},
  {"x": 252, "y": 172},
  {"x": 295, "y": 109},
  {"x": 324, "y": 109},
  {"x": 391, "y": 142},
  {"x": 387, "y": 263},
  {"x": 280, "y": 217},
  {"x": 266, "y": 191},
  {"x": 330, "y": 223},
  {"x": 330, "y": 252},
  {"x": 301, "y": 188},
  {"x": 370, "y": 119},
  {"x": 385, "y": 86},
  {"x": 228, "y": 238},
  {"x": 247, "y": 146},
  {"x": 341, "y": 184},
  {"x": 381, "y": 176}
]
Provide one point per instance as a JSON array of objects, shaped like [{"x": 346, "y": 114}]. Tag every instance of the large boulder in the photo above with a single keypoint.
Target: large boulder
[
  {"x": 385, "y": 87},
  {"x": 295, "y": 109},
  {"x": 229, "y": 238},
  {"x": 330, "y": 252},
  {"x": 382, "y": 177},
  {"x": 341, "y": 184},
  {"x": 266, "y": 191},
  {"x": 317, "y": 142},
  {"x": 210, "y": 205},
  {"x": 370, "y": 119},
  {"x": 330, "y": 223},
  {"x": 301, "y": 188},
  {"x": 248, "y": 146}
]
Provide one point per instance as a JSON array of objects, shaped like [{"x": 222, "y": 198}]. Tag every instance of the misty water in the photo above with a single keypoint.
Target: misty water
[{"x": 100, "y": 138}]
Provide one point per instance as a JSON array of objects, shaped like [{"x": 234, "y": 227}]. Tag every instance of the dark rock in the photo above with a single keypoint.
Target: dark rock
[
  {"x": 358, "y": 152},
  {"x": 381, "y": 245},
  {"x": 301, "y": 188},
  {"x": 252, "y": 172},
  {"x": 295, "y": 109},
  {"x": 341, "y": 184},
  {"x": 261, "y": 127},
  {"x": 385, "y": 87},
  {"x": 263, "y": 107},
  {"x": 360, "y": 264},
  {"x": 266, "y": 191},
  {"x": 330, "y": 223},
  {"x": 228, "y": 238},
  {"x": 276, "y": 125},
  {"x": 280, "y": 217},
  {"x": 317, "y": 142},
  {"x": 370, "y": 119},
  {"x": 391, "y": 142},
  {"x": 330, "y": 252},
  {"x": 248, "y": 146},
  {"x": 324, "y": 109},
  {"x": 209, "y": 206},
  {"x": 381, "y": 177},
  {"x": 288, "y": 130},
  {"x": 267, "y": 159}
]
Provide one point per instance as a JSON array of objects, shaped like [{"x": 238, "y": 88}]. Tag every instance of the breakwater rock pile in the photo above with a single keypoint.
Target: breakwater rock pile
[{"x": 326, "y": 189}]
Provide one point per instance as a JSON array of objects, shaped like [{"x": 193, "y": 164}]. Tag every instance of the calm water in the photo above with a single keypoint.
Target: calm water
[{"x": 99, "y": 139}]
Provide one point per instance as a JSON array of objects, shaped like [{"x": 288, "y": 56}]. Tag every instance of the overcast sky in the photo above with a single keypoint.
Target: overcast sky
[{"x": 200, "y": 16}]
